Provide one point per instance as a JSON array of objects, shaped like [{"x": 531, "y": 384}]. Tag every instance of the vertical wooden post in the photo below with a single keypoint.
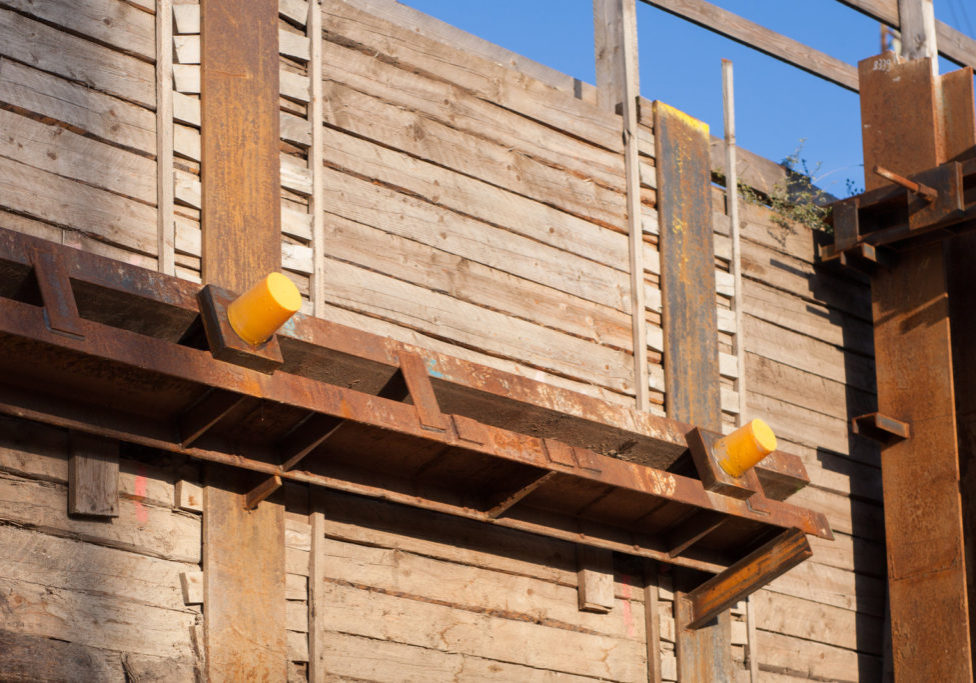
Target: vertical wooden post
[
  {"x": 732, "y": 199},
  {"x": 243, "y": 550},
  {"x": 917, "y": 21},
  {"x": 316, "y": 154},
  {"x": 615, "y": 33},
  {"x": 166, "y": 231},
  {"x": 93, "y": 476},
  {"x": 316, "y": 607}
]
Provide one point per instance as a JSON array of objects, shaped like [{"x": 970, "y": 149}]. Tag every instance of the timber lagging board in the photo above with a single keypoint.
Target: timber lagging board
[{"x": 525, "y": 185}]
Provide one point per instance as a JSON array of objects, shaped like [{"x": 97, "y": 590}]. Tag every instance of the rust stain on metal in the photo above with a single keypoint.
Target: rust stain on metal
[
  {"x": 928, "y": 596},
  {"x": 687, "y": 268}
]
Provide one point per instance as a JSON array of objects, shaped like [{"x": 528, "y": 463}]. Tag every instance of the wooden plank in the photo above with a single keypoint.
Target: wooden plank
[
  {"x": 461, "y": 542},
  {"x": 187, "y": 18},
  {"x": 46, "y": 48},
  {"x": 294, "y": 45},
  {"x": 166, "y": 231},
  {"x": 467, "y": 43},
  {"x": 349, "y": 657},
  {"x": 794, "y": 658},
  {"x": 380, "y": 91},
  {"x": 110, "y": 22},
  {"x": 414, "y": 219},
  {"x": 916, "y": 20},
  {"x": 471, "y": 281},
  {"x": 95, "y": 620},
  {"x": 141, "y": 527},
  {"x": 595, "y": 579},
  {"x": 615, "y": 28},
  {"x": 475, "y": 589},
  {"x": 73, "y": 565},
  {"x": 77, "y": 107},
  {"x": 489, "y": 79},
  {"x": 31, "y": 658},
  {"x": 62, "y": 201},
  {"x": 56, "y": 150},
  {"x": 387, "y": 617},
  {"x": 768, "y": 42},
  {"x": 93, "y": 476},
  {"x": 817, "y": 622},
  {"x": 491, "y": 332},
  {"x": 316, "y": 158}
]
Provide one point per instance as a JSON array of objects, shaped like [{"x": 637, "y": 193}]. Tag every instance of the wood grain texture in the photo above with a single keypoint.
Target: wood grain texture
[{"x": 93, "y": 476}]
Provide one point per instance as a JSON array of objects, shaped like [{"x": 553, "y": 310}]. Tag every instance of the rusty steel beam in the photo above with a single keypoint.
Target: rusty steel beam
[
  {"x": 243, "y": 548},
  {"x": 165, "y": 307},
  {"x": 913, "y": 122},
  {"x": 134, "y": 352},
  {"x": 691, "y": 372},
  {"x": 689, "y": 320},
  {"x": 749, "y": 574}
]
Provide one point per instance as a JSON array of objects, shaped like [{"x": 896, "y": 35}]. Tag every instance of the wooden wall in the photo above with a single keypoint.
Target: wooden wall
[{"x": 465, "y": 200}]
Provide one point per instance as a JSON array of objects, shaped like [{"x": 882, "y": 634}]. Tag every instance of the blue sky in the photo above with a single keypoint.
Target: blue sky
[{"x": 777, "y": 105}]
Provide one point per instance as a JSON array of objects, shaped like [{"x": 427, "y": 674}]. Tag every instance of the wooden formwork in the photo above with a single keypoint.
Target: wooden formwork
[{"x": 477, "y": 212}]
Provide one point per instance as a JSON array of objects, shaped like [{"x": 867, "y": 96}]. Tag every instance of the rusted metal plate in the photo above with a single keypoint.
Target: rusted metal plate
[
  {"x": 897, "y": 135},
  {"x": 920, "y": 475},
  {"x": 690, "y": 333},
  {"x": 239, "y": 141},
  {"x": 55, "y": 288},
  {"x": 687, "y": 268},
  {"x": 960, "y": 257}
]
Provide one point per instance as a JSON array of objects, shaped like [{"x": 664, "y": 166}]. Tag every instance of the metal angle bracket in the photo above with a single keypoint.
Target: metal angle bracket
[
  {"x": 224, "y": 342},
  {"x": 881, "y": 428}
]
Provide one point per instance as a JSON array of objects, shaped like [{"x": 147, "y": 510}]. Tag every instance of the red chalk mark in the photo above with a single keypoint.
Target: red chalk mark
[
  {"x": 142, "y": 514},
  {"x": 627, "y": 613}
]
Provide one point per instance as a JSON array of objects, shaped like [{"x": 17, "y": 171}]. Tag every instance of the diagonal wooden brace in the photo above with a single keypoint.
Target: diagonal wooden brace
[{"x": 746, "y": 576}]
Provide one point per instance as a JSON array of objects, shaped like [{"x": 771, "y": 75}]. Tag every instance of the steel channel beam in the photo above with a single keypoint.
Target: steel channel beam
[
  {"x": 174, "y": 305},
  {"x": 197, "y": 366}
]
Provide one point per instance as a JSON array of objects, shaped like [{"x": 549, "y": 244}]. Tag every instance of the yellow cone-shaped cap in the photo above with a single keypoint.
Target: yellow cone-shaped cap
[
  {"x": 745, "y": 447},
  {"x": 258, "y": 313}
]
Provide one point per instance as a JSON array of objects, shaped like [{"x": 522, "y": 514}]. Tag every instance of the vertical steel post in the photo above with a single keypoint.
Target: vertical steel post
[
  {"x": 243, "y": 550},
  {"x": 906, "y": 130}
]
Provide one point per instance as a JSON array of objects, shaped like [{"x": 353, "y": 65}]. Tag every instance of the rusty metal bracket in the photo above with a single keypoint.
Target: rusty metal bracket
[
  {"x": 224, "y": 342},
  {"x": 701, "y": 444},
  {"x": 422, "y": 392},
  {"x": 60, "y": 308},
  {"x": 924, "y": 191},
  {"x": 921, "y": 207},
  {"x": 881, "y": 428},
  {"x": 752, "y": 572}
]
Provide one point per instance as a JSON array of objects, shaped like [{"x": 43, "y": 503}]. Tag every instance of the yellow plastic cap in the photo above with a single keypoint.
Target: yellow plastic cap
[
  {"x": 258, "y": 313},
  {"x": 745, "y": 447}
]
